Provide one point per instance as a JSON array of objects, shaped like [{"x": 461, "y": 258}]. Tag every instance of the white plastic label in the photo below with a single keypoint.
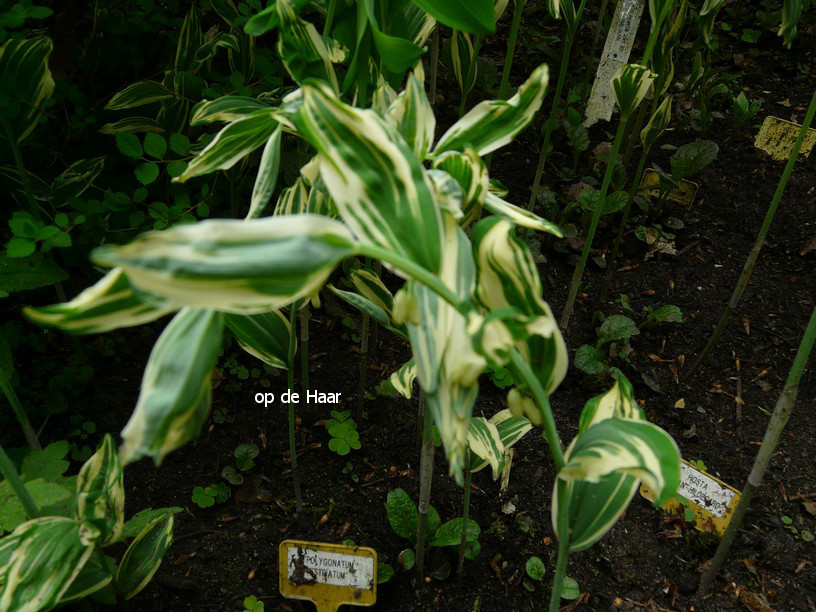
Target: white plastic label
[
  {"x": 616, "y": 52},
  {"x": 704, "y": 491}
]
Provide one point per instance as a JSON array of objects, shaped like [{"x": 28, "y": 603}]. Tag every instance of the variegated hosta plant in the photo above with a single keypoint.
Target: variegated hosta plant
[
  {"x": 378, "y": 187},
  {"x": 53, "y": 560}
]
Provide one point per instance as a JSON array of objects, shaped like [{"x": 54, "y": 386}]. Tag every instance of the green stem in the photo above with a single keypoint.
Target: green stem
[
  {"x": 19, "y": 411},
  {"x": 304, "y": 314},
  {"x": 563, "y": 552},
  {"x": 613, "y": 258},
  {"x": 361, "y": 387},
  {"x": 290, "y": 378},
  {"x": 633, "y": 128},
  {"x": 425, "y": 477},
  {"x": 21, "y": 169},
  {"x": 434, "y": 71},
  {"x": 596, "y": 216},
  {"x": 330, "y": 12},
  {"x": 465, "y": 517},
  {"x": 779, "y": 419},
  {"x": 748, "y": 269},
  {"x": 11, "y": 476},
  {"x": 518, "y": 8}
]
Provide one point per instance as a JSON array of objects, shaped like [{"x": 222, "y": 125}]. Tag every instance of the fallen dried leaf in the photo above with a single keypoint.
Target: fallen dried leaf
[
  {"x": 681, "y": 403},
  {"x": 746, "y": 325}
]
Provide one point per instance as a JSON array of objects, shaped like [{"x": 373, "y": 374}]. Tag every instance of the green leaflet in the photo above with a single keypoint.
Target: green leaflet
[
  {"x": 791, "y": 13},
  {"x": 370, "y": 308},
  {"x": 397, "y": 54},
  {"x": 304, "y": 52},
  {"x": 109, "y": 304},
  {"x": 267, "y": 176},
  {"x": 235, "y": 266},
  {"x": 101, "y": 493},
  {"x": 630, "y": 85},
  {"x": 267, "y": 19},
  {"x": 493, "y": 123},
  {"x": 708, "y": 13},
  {"x": 485, "y": 443},
  {"x": 381, "y": 190},
  {"x": 411, "y": 114},
  {"x": 264, "y": 335},
  {"x": 403, "y": 379},
  {"x": 26, "y": 80},
  {"x": 139, "y": 93},
  {"x": 520, "y": 216},
  {"x": 657, "y": 124},
  {"x": 471, "y": 173},
  {"x": 226, "y": 109},
  {"x": 409, "y": 21},
  {"x": 132, "y": 124},
  {"x": 144, "y": 555},
  {"x": 508, "y": 276},
  {"x": 175, "y": 395},
  {"x": 232, "y": 143},
  {"x": 474, "y": 16},
  {"x": 38, "y": 562},
  {"x": 372, "y": 288},
  {"x": 511, "y": 429}
]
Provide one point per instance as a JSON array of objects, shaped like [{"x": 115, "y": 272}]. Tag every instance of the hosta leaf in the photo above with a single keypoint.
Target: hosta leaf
[
  {"x": 139, "y": 94},
  {"x": 232, "y": 143},
  {"x": 411, "y": 114},
  {"x": 293, "y": 200},
  {"x": 403, "y": 379},
  {"x": 190, "y": 40},
  {"x": 144, "y": 556},
  {"x": 658, "y": 123},
  {"x": 485, "y": 443},
  {"x": 372, "y": 288},
  {"x": 92, "y": 577},
  {"x": 492, "y": 124},
  {"x": 511, "y": 429},
  {"x": 26, "y": 79},
  {"x": 380, "y": 188},
  {"x": 468, "y": 169},
  {"x": 474, "y": 16},
  {"x": 101, "y": 493},
  {"x": 619, "y": 403},
  {"x": 226, "y": 109},
  {"x": 175, "y": 394},
  {"x": 519, "y": 216},
  {"x": 38, "y": 562},
  {"x": 264, "y": 335},
  {"x": 267, "y": 176},
  {"x": 630, "y": 85},
  {"x": 109, "y": 304},
  {"x": 136, "y": 523},
  {"x": 304, "y": 52},
  {"x": 463, "y": 56},
  {"x": 367, "y": 307},
  {"x": 451, "y": 405},
  {"x": 235, "y": 266}
]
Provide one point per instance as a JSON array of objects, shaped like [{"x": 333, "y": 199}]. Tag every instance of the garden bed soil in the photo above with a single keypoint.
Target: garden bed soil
[{"x": 648, "y": 560}]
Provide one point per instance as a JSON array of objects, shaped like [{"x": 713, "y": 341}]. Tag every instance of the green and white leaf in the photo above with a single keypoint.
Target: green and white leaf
[
  {"x": 110, "y": 304},
  {"x": 38, "y": 562},
  {"x": 411, "y": 114},
  {"x": 403, "y": 379},
  {"x": 293, "y": 200},
  {"x": 144, "y": 556},
  {"x": 264, "y": 335},
  {"x": 630, "y": 85},
  {"x": 485, "y": 443},
  {"x": 492, "y": 124},
  {"x": 617, "y": 403},
  {"x": 101, "y": 493},
  {"x": 91, "y": 578},
  {"x": 304, "y": 52},
  {"x": 468, "y": 169},
  {"x": 26, "y": 79},
  {"x": 267, "y": 176},
  {"x": 226, "y": 109},
  {"x": 519, "y": 216},
  {"x": 139, "y": 94},
  {"x": 175, "y": 394},
  {"x": 235, "y": 266},
  {"x": 370, "y": 286}
]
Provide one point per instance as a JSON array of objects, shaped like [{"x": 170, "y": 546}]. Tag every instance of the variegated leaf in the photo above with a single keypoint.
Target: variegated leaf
[
  {"x": 101, "y": 493},
  {"x": 617, "y": 403},
  {"x": 232, "y": 144},
  {"x": 370, "y": 286},
  {"x": 463, "y": 57},
  {"x": 485, "y": 444},
  {"x": 304, "y": 52},
  {"x": 520, "y": 216},
  {"x": 471, "y": 173},
  {"x": 190, "y": 40},
  {"x": 25, "y": 78},
  {"x": 383, "y": 96},
  {"x": 109, "y": 304},
  {"x": 235, "y": 266},
  {"x": 144, "y": 556},
  {"x": 139, "y": 93},
  {"x": 373, "y": 310},
  {"x": 267, "y": 176},
  {"x": 630, "y": 85},
  {"x": 708, "y": 13},
  {"x": 38, "y": 562},
  {"x": 451, "y": 405},
  {"x": 657, "y": 124},
  {"x": 411, "y": 114},
  {"x": 226, "y": 109},
  {"x": 293, "y": 200},
  {"x": 381, "y": 190},
  {"x": 175, "y": 395},
  {"x": 403, "y": 379},
  {"x": 492, "y": 124},
  {"x": 132, "y": 124},
  {"x": 474, "y": 16},
  {"x": 264, "y": 335},
  {"x": 791, "y": 14},
  {"x": 447, "y": 192},
  {"x": 511, "y": 429},
  {"x": 93, "y": 577}
]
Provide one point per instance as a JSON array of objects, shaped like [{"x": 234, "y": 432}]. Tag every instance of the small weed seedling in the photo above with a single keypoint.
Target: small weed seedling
[
  {"x": 536, "y": 570},
  {"x": 805, "y": 535},
  {"x": 251, "y": 604},
  {"x": 343, "y": 430},
  {"x": 204, "y": 497},
  {"x": 245, "y": 456},
  {"x": 699, "y": 464}
]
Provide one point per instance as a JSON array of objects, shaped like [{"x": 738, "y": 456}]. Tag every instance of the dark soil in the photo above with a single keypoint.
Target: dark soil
[{"x": 648, "y": 560}]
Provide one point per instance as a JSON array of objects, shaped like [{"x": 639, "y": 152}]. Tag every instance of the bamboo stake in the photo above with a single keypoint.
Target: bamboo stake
[
  {"x": 290, "y": 376},
  {"x": 779, "y": 418}
]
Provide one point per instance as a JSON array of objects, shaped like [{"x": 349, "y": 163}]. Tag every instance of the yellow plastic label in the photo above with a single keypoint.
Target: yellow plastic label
[
  {"x": 711, "y": 500},
  {"x": 777, "y": 136},
  {"x": 683, "y": 196},
  {"x": 329, "y": 575}
]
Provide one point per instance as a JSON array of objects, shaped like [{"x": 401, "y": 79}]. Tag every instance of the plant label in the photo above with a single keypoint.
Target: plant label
[
  {"x": 777, "y": 136},
  {"x": 329, "y": 575},
  {"x": 710, "y": 500},
  {"x": 650, "y": 186},
  {"x": 616, "y": 52}
]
